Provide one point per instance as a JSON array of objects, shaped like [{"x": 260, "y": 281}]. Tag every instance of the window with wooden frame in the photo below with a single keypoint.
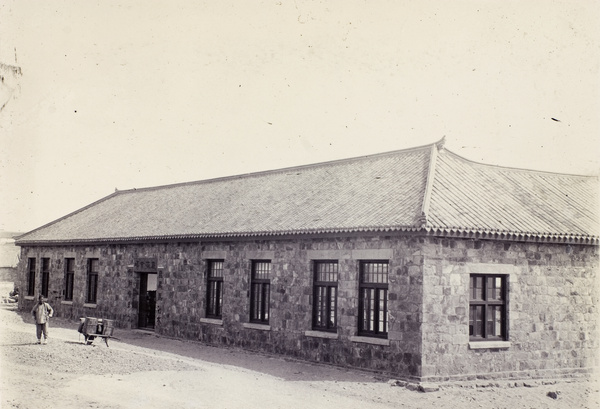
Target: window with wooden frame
[
  {"x": 373, "y": 299},
  {"x": 214, "y": 289},
  {"x": 260, "y": 287},
  {"x": 487, "y": 307},
  {"x": 31, "y": 277},
  {"x": 92, "y": 281},
  {"x": 45, "y": 276},
  {"x": 69, "y": 278},
  {"x": 325, "y": 286}
]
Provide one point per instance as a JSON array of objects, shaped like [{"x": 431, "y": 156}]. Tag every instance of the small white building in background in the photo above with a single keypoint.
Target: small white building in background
[{"x": 9, "y": 256}]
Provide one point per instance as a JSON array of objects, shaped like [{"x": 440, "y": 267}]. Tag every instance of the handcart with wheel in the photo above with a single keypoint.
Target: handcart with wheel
[{"x": 93, "y": 328}]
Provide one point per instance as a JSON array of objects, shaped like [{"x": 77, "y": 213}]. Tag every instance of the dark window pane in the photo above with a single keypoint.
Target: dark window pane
[
  {"x": 494, "y": 285},
  {"x": 215, "y": 269},
  {"x": 92, "y": 280},
  {"x": 472, "y": 321},
  {"x": 326, "y": 272},
  {"x": 332, "y": 307},
  {"x": 325, "y": 295},
  {"x": 382, "y": 319},
  {"x": 69, "y": 277},
  {"x": 45, "y": 276},
  {"x": 368, "y": 301},
  {"x": 31, "y": 278},
  {"x": 265, "y": 303},
  {"x": 478, "y": 323},
  {"x": 257, "y": 301},
  {"x": 375, "y": 272},
  {"x": 373, "y": 300},
  {"x": 92, "y": 288},
  {"x": 259, "y": 291},
  {"x": 477, "y": 288},
  {"x": 487, "y": 313},
  {"x": 494, "y": 321},
  {"x": 498, "y": 321},
  {"x": 212, "y": 298},
  {"x": 214, "y": 303},
  {"x": 262, "y": 270},
  {"x": 219, "y": 298}
]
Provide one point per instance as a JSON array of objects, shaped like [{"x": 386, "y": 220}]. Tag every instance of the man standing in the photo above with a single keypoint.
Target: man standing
[{"x": 41, "y": 312}]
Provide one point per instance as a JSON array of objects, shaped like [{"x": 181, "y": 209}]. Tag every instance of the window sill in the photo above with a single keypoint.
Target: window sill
[
  {"x": 67, "y": 302},
  {"x": 29, "y": 297},
  {"x": 370, "y": 340},
  {"x": 489, "y": 345},
  {"x": 321, "y": 334},
  {"x": 213, "y": 321},
  {"x": 251, "y": 325},
  {"x": 88, "y": 305}
]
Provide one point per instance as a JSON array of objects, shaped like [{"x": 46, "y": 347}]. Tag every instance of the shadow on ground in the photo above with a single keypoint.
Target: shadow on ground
[{"x": 277, "y": 366}]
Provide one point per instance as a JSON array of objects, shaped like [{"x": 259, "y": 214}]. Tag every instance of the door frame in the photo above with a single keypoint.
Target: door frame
[{"x": 143, "y": 268}]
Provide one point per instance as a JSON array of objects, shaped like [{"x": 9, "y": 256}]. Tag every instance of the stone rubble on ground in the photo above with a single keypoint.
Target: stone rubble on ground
[
  {"x": 553, "y": 395},
  {"x": 432, "y": 387}
]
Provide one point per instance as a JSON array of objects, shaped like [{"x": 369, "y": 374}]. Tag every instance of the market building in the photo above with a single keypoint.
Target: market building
[{"x": 418, "y": 263}]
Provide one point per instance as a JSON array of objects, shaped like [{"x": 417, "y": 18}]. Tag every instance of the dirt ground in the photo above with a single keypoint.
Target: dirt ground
[{"x": 142, "y": 370}]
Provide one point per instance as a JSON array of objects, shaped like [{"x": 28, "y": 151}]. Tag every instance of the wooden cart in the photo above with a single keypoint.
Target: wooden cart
[{"x": 93, "y": 328}]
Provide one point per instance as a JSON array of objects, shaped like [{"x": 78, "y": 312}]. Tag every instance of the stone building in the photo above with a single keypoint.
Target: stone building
[{"x": 418, "y": 263}]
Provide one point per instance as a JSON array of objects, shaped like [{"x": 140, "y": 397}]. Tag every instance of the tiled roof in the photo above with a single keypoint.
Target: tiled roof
[
  {"x": 468, "y": 196},
  {"x": 427, "y": 189}
]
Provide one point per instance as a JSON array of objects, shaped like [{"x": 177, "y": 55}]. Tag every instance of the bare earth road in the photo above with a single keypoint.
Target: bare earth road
[{"x": 142, "y": 370}]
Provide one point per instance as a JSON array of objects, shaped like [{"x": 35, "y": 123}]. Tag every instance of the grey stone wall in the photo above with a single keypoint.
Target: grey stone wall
[
  {"x": 553, "y": 301},
  {"x": 117, "y": 285},
  {"x": 181, "y": 295},
  {"x": 552, "y": 309}
]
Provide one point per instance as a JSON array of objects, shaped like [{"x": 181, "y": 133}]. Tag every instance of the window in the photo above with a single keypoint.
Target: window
[
  {"x": 487, "y": 307},
  {"x": 69, "y": 275},
  {"x": 373, "y": 291},
  {"x": 45, "y": 276},
  {"x": 92, "y": 281},
  {"x": 325, "y": 295},
  {"x": 259, "y": 292},
  {"x": 31, "y": 277},
  {"x": 214, "y": 289}
]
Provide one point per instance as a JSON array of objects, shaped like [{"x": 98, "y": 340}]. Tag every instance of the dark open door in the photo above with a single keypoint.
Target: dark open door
[{"x": 147, "y": 312}]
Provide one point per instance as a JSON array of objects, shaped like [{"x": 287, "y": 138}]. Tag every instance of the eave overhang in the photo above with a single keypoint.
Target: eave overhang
[{"x": 433, "y": 231}]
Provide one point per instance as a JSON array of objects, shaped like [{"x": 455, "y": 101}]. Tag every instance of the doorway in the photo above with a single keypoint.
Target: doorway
[{"x": 147, "y": 305}]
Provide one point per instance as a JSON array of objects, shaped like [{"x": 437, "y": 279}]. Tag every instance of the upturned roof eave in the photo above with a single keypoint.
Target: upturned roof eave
[{"x": 509, "y": 235}]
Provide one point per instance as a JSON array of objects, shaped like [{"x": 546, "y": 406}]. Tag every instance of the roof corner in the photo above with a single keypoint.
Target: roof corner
[
  {"x": 440, "y": 144},
  {"x": 422, "y": 220}
]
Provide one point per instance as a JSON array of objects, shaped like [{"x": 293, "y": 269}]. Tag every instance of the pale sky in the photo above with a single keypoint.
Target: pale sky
[{"x": 130, "y": 93}]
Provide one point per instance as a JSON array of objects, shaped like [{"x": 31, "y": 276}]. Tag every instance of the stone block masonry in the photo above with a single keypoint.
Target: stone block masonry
[
  {"x": 552, "y": 300},
  {"x": 552, "y": 310},
  {"x": 181, "y": 295}
]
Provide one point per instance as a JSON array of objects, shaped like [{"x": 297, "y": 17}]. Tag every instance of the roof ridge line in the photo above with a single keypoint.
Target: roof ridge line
[
  {"x": 281, "y": 170},
  {"x": 422, "y": 219}
]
